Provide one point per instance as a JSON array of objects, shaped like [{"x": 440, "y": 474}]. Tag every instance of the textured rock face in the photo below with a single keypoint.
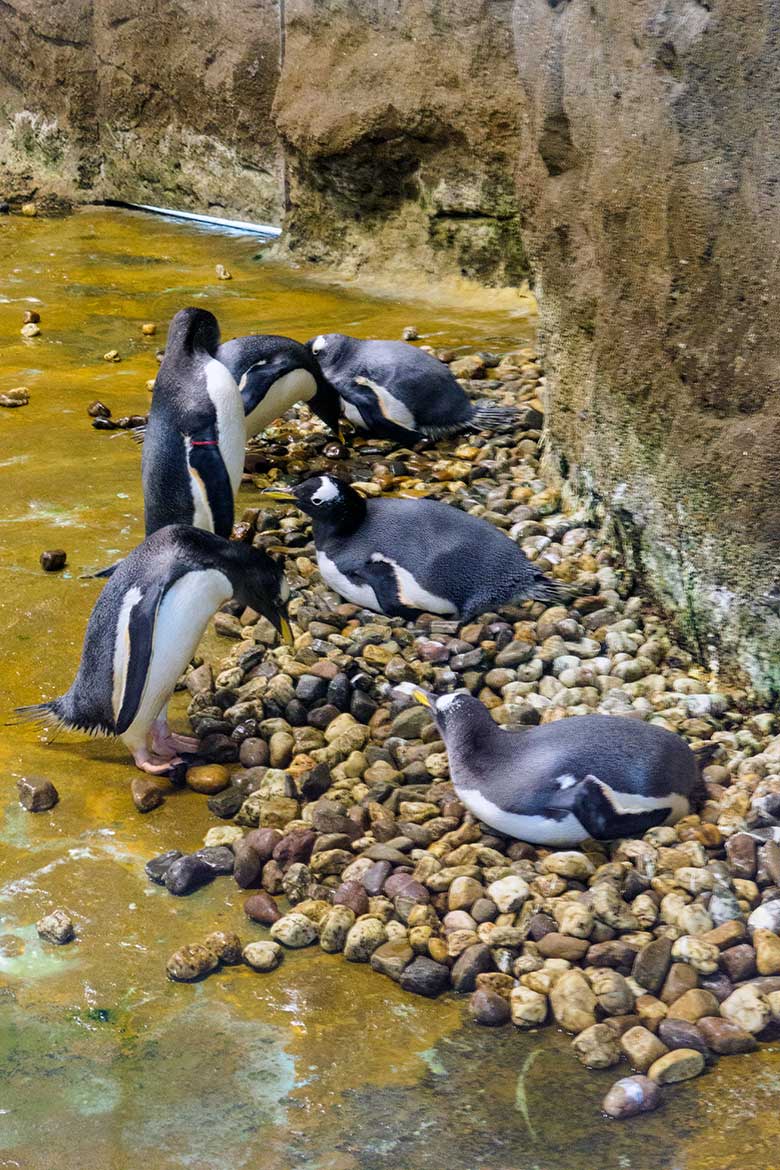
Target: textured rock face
[
  {"x": 650, "y": 213},
  {"x": 400, "y": 124},
  {"x": 163, "y": 104}
]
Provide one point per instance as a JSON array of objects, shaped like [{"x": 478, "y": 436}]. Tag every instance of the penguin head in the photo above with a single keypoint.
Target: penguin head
[
  {"x": 193, "y": 329},
  {"x": 259, "y": 582},
  {"x": 455, "y": 712},
  {"x": 326, "y": 499},
  {"x": 327, "y": 347}
]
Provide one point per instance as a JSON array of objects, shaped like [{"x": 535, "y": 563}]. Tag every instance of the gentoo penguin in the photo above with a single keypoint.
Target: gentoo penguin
[
  {"x": 273, "y": 373},
  {"x": 145, "y": 628},
  {"x": 600, "y": 776},
  {"x": 394, "y": 391},
  {"x": 406, "y": 557},
  {"x": 193, "y": 453}
]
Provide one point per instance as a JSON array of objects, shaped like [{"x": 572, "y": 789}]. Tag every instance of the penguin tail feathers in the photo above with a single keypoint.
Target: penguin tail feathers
[
  {"x": 489, "y": 416},
  {"x": 46, "y": 713},
  {"x": 545, "y": 589},
  {"x": 107, "y": 572}
]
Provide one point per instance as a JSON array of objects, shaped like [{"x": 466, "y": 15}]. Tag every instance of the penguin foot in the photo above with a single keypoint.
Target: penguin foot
[
  {"x": 153, "y": 764},
  {"x": 168, "y": 743}
]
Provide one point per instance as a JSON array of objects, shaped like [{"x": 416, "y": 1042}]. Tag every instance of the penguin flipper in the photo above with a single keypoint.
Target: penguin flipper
[
  {"x": 140, "y": 644},
  {"x": 603, "y": 817},
  {"x": 363, "y": 396},
  {"x": 208, "y": 469},
  {"x": 382, "y": 579}
]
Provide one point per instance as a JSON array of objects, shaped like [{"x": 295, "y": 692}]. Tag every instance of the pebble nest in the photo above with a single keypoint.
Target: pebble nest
[{"x": 334, "y": 810}]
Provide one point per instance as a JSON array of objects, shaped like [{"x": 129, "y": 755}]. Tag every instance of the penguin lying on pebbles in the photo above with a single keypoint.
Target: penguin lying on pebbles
[
  {"x": 273, "y": 373},
  {"x": 394, "y": 391},
  {"x": 406, "y": 557},
  {"x": 193, "y": 453},
  {"x": 599, "y": 776},
  {"x": 144, "y": 630}
]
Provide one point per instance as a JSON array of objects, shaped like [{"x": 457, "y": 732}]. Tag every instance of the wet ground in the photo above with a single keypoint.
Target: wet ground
[{"x": 103, "y": 1063}]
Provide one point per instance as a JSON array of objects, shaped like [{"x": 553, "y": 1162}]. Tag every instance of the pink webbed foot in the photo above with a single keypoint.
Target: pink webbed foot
[
  {"x": 167, "y": 743},
  {"x": 153, "y": 764}
]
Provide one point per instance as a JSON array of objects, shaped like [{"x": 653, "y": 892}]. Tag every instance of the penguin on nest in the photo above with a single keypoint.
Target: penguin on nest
[
  {"x": 599, "y": 776},
  {"x": 395, "y": 391},
  {"x": 406, "y": 557}
]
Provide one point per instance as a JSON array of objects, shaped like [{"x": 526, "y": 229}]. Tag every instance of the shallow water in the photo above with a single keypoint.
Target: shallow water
[{"x": 103, "y": 1062}]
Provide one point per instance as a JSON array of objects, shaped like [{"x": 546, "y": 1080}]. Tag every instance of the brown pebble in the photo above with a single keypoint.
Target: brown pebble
[
  {"x": 145, "y": 793},
  {"x": 207, "y": 778},
  {"x": 98, "y": 409},
  {"x": 225, "y": 945},
  {"x": 630, "y": 1096},
  {"x": 53, "y": 560},
  {"x": 562, "y": 946},
  {"x": 262, "y": 908},
  {"x": 35, "y": 794},
  {"x": 725, "y": 1037},
  {"x": 489, "y": 1008},
  {"x": 148, "y": 328}
]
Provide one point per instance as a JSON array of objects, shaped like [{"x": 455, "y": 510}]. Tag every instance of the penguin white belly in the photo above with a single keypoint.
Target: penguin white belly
[
  {"x": 411, "y": 593},
  {"x": 390, "y": 406},
  {"x": 352, "y": 414},
  {"x": 295, "y": 386},
  {"x": 231, "y": 431},
  {"x": 202, "y": 516},
  {"x": 536, "y": 829},
  {"x": 182, "y": 617},
  {"x": 362, "y": 595}
]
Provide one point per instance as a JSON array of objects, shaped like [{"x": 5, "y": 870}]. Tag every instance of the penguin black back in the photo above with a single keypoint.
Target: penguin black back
[{"x": 193, "y": 452}]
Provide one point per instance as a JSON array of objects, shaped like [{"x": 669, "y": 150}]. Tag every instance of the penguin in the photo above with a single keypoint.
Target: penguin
[
  {"x": 144, "y": 630},
  {"x": 193, "y": 449},
  {"x": 599, "y": 776},
  {"x": 394, "y": 391},
  {"x": 273, "y": 373},
  {"x": 406, "y": 557}
]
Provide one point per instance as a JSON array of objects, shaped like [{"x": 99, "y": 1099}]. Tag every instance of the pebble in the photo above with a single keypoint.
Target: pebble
[
  {"x": 641, "y": 1047},
  {"x": 225, "y": 945},
  {"x": 681, "y": 1064},
  {"x": 145, "y": 794},
  {"x": 363, "y": 939},
  {"x": 186, "y": 874},
  {"x": 630, "y": 1096},
  {"x": 207, "y": 778},
  {"x": 36, "y": 794},
  {"x": 597, "y": 1046},
  {"x": 294, "y": 930},
  {"x": 489, "y": 1008},
  {"x": 17, "y": 395},
  {"x": 158, "y": 867},
  {"x": 262, "y": 956},
  {"x": 53, "y": 560},
  {"x": 56, "y": 927},
  {"x": 262, "y": 908},
  {"x": 191, "y": 963},
  {"x": 425, "y": 977}
]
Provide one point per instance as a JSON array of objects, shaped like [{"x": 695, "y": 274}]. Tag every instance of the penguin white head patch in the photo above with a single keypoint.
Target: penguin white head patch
[
  {"x": 318, "y": 345},
  {"x": 446, "y": 702},
  {"x": 326, "y": 492}
]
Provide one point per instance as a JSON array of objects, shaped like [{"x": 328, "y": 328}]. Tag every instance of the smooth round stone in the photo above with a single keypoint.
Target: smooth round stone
[
  {"x": 353, "y": 895},
  {"x": 191, "y": 963},
  {"x": 225, "y": 945},
  {"x": 630, "y": 1096},
  {"x": 682, "y": 1034},
  {"x": 425, "y": 977},
  {"x": 334, "y": 929},
  {"x": 489, "y": 1008},
  {"x": 36, "y": 794},
  {"x": 248, "y": 866},
  {"x": 294, "y": 848},
  {"x": 145, "y": 794},
  {"x": 294, "y": 930},
  {"x": 597, "y": 1046},
  {"x": 725, "y": 1037},
  {"x": 374, "y": 878},
  {"x": 473, "y": 961},
  {"x": 207, "y": 778},
  {"x": 682, "y": 1064},
  {"x": 363, "y": 939},
  {"x": 254, "y": 753},
  {"x": 158, "y": 867},
  {"x": 263, "y": 841},
  {"x": 53, "y": 559},
  {"x": 56, "y": 927},
  {"x": 226, "y": 804},
  {"x": 186, "y": 874},
  {"x": 218, "y": 858},
  {"x": 262, "y": 908},
  {"x": 262, "y": 956}
]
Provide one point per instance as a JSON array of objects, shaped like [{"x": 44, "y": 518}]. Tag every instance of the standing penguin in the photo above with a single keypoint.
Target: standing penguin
[
  {"x": 273, "y": 373},
  {"x": 145, "y": 628},
  {"x": 394, "y": 391},
  {"x": 406, "y": 557},
  {"x": 193, "y": 454},
  {"x": 600, "y": 776}
]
